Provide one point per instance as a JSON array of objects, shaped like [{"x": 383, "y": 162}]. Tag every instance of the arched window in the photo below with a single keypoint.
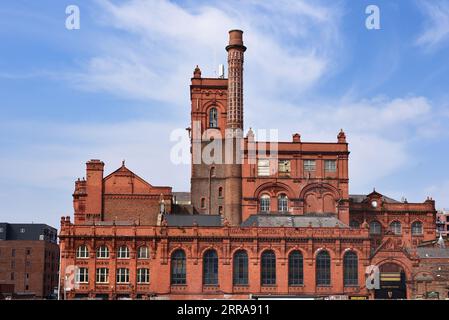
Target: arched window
[
  {"x": 123, "y": 252},
  {"x": 268, "y": 271},
  {"x": 240, "y": 270},
  {"x": 350, "y": 269},
  {"x": 220, "y": 192},
  {"x": 143, "y": 253},
  {"x": 354, "y": 224},
  {"x": 396, "y": 227},
  {"x": 178, "y": 267},
  {"x": 82, "y": 252},
  {"x": 375, "y": 228},
  {"x": 282, "y": 203},
  {"x": 265, "y": 203},
  {"x": 103, "y": 252},
  {"x": 323, "y": 269},
  {"x": 210, "y": 268},
  {"x": 213, "y": 118},
  {"x": 295, "y": 269},
  {"x": 417, "y": 228}
]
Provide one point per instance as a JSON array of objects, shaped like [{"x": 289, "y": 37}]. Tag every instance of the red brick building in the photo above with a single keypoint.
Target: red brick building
[
  {"x": 29, "y": 261},
  {"x": 264, "y": 219}
]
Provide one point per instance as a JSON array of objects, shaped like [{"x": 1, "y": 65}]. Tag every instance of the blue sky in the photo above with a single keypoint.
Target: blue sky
[{"x": 118, "y": 87}]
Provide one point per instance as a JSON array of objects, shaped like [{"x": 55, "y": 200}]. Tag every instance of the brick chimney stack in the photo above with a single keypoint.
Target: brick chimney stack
[
  {"x": 234, "y": 129},
  {"x": 235, "y": 51}
]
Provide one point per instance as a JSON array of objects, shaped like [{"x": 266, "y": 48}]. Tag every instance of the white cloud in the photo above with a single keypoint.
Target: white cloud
[
  {"x": 437, "y": 23},
  {"x": 161, "y": 42}
]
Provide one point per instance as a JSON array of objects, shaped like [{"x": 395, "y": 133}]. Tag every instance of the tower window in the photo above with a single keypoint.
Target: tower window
[
  {"x": 263, "y": 167},
  {"x": 203, "y": 203},
  {"x": 417, "y": 228},
  {"x": 220, "y": 192},
  {"x": 330, "y": 165},
  {"x": 213, "y": 118},
  {"x": 309, "y": 165},
  {"x": 265, "y": 203},
  {"x": 282, "y": 203}
]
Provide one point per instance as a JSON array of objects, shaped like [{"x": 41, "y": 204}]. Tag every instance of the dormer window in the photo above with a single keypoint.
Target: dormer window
[{"x": 213, "y": 118}]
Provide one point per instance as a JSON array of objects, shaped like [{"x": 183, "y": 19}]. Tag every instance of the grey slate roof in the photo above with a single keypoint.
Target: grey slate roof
[
  {"x": 181, "y": 197},
  {"x": 430, "y": 253},
  {"x": 286, "y": 220},
  {"x": 188, "y": 220},
  {"x": 358, "y": 198}
]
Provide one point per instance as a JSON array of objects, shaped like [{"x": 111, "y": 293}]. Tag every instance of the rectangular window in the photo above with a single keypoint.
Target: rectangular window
[
  {"x": 309, "y": 165},
  {"x": 13, "y": 252},
  {"x": 102, "y": 275},
  {"x": 82, "y": 275},
  {"x": 284, "y": 167},
  {"x": 263, "y": 167},
  {"x": 12, "y": 276},
  {"x": 143, "y": 276},
  {"x": 122, "y": 275},
  {"x": 330, "y": 165},
  {"x": 1, "y": 230}
]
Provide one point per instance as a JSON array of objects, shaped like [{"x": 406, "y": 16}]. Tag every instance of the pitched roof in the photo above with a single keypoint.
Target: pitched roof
[
  {"x": 430, "y": 253},
  {"x": 188, "y": 220},
  {"x": 359, "y": 198},
  {"x": 298, "y": 221}
]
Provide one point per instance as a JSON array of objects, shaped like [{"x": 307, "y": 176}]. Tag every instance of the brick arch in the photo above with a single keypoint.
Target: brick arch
[
  {"x": 186, "y": 252},
  {"x": 355, "y": 250},
  {"x": 331, "y": 253},
  {"x": 320, "y": 198},
  {"x": 274, "y": 185},
  {"x": 277, "y": 253},
  {"x": 329, "y": 188},
  {"x": 232, "y": 253},
  {"x": 203, "y": 251},
  {"x": 380, "y": 262},
  {"x": 420, "y": 272},
  {"x": 211, "y": 103},
  {"x": 303, "y": 252}
]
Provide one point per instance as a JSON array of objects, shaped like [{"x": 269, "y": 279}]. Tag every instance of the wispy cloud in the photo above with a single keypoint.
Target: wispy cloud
[
  {"x": 437, "y": 23},
  {"x": 290, "y": 43}
]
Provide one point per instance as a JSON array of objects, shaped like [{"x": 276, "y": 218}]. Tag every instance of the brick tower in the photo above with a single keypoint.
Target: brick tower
[{"x": 234, "y": 128}]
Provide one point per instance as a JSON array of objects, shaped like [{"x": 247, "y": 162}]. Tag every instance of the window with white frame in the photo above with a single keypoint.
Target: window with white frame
[
  {"x": 102, "y": 275},
  {"x": 123, "y": 252},
  {"x": 309, "y": 165},
  {"x": 82, "y": 275},
  {"x": 143, "y": 275},
  {"x": 265, "y": 203},
  {"x": 122, "y": 275},
  {"x": 103, "y": 252},
  {"x": 330, "y": 165},
  {"x": 282, "y": 203},
  {"x": 143, "y": 253},
  {"x": 263, "y": 167},
  {"x": 82, "y": 252}
]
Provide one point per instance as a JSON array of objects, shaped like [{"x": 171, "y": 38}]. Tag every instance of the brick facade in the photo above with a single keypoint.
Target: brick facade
[{"x": 289, "y": 225}]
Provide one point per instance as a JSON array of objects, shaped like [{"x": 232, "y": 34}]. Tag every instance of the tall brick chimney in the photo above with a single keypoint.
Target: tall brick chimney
[
  {"x": 94, "y": 189},
  {"x": 234, "y": 128},
  {"x": 235, "y": 51}
]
